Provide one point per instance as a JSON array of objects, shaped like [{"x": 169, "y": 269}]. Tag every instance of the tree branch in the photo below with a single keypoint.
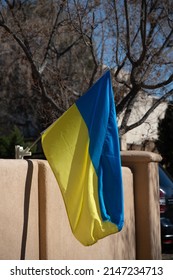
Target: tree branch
[
  {"x": 146, "y": 115},
  {"x": 127, "y": 99},
  {"x": 128, "y": 33},
  {"x": 159, "y": 85},
  {"x": 44, "y": 62},
  {"x": 35, "y": 73},
  {"x": 128, "y": 110},
  {"x": 59, "y": 54},
  {"x": 143, "y": 21}
]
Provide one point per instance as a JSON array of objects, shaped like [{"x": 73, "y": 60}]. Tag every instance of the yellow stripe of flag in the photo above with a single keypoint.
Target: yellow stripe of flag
[{"x": 65, "y": 145}]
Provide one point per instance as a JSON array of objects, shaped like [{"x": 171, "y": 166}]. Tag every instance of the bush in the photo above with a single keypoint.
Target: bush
[{"x": 8, "y": 142}]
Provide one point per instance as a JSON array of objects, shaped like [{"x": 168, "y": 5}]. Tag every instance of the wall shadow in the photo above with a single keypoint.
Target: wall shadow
[{"x": 27, "y": 194}]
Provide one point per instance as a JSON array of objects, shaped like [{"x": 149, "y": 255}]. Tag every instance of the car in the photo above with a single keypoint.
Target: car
[{"x": 166, "y": 207}]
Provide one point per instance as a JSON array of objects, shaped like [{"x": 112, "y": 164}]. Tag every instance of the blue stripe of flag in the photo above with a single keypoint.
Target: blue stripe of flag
[{"x": 98, "y": 111}]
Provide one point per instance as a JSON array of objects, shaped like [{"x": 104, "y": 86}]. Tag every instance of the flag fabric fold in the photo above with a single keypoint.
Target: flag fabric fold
[{"x": 82, "y": 148}]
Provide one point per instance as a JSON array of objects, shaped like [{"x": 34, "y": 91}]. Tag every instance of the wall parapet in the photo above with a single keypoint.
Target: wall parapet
[
  {"x": 139, "y": 156},
  {"x": 144, "y": 166}
]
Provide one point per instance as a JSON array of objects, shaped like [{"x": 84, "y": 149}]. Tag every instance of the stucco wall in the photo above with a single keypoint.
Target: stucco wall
[
  {"x": 34, "y": 223},
  {"x": 33, "y": 220},
  {"x": 144, "y": 166},
  {"x": 19, "y": 223},
  {"x": 58, "y": 242}
]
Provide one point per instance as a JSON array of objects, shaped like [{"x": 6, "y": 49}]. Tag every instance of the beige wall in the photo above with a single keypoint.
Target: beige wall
[
  {"x": 34, "y": 224},
  {"x": 19, "y": 232},
  {"x": 144, "y": 166},
  {"x": 57, "y": 240}
]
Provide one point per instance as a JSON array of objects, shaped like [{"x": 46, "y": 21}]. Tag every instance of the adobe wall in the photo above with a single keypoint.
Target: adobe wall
[
  {"x": 144, "y": 166},
  {"x": 34, "y": 223},
  {"x": 57, "y": 240},
  {"x": 19, "y": 223}
]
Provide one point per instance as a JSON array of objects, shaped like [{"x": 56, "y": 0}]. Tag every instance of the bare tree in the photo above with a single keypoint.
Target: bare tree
[
  {"x": 65, "y": 45},
  {"x": 59, "y": 60},
  {"x": 142, "y": 34}
]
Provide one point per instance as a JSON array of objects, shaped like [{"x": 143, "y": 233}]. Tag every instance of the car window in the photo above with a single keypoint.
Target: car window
[{"x": 164, "y": 178}]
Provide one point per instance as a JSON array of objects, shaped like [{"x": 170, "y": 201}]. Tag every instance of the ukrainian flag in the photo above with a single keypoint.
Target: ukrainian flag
[{"x": 82, "y": 148}]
